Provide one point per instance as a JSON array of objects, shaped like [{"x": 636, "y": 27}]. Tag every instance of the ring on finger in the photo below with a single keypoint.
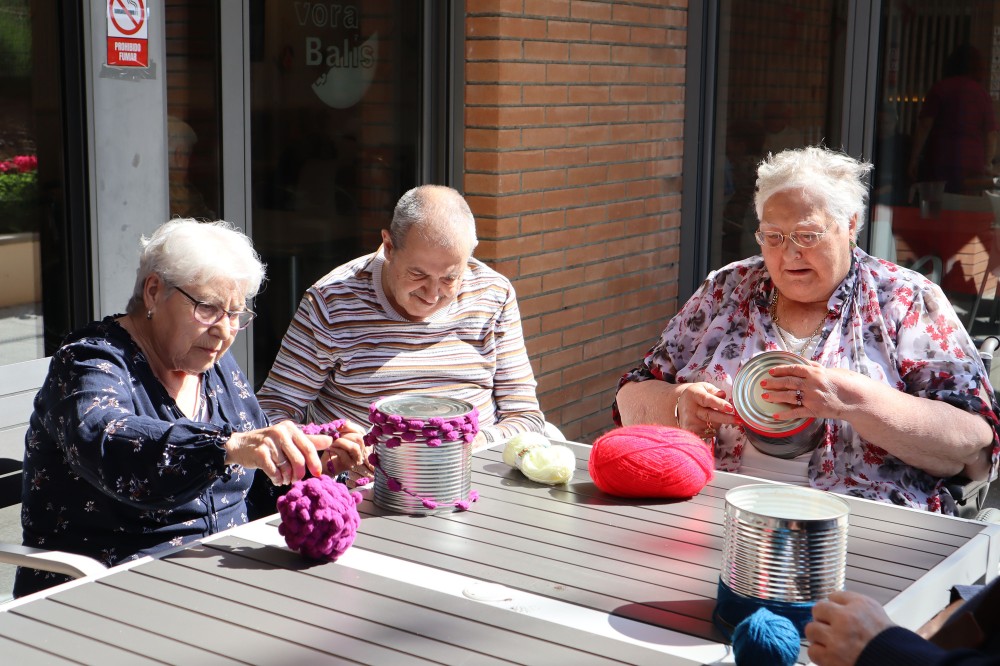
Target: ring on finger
[{"x": 798, "y": 397}]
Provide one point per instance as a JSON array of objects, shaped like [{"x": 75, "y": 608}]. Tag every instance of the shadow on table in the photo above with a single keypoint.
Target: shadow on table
[
  {"x": 650, "y": 612},
  {"x": 250, "y": 558}
]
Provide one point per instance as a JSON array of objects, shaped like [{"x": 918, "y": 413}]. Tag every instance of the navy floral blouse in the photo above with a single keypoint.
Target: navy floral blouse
[
  {"x": 112, "y": 467},
  {"x": 886, "y": 322}
]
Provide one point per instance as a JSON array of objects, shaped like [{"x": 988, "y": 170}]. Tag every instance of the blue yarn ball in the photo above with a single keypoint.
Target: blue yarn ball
[{"x": 766, "y": 639}]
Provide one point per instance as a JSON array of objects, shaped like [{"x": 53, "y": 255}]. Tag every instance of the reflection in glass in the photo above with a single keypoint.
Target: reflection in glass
[
  {"x": 935, "y": 148},
  {"x": 335, "y": 122},
  {"x": 193, "y": 109},
  {"x": 31, "y": 184},
  {"x": 777, "y": 69}
]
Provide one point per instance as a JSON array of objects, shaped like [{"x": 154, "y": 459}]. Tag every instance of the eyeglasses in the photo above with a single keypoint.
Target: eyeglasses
[
  {"x": 805, "y": 239},
  {"x": 208, "y": 314}
]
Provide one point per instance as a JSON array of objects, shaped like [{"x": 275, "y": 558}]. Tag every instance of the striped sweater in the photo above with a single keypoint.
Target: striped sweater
[{"x": 347, "y": 347}]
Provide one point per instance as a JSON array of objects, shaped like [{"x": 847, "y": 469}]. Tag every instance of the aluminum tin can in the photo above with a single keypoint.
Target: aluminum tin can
[
  {"x": 783, "y": 548},
  {"x": 787, "y": 438},
  {"x": 442, "y": 473}
]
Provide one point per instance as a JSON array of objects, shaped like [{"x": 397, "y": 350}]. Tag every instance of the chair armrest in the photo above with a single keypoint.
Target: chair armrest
[
  {"x": 963, "y": 489},
  {"x": 68, "y": 564}
]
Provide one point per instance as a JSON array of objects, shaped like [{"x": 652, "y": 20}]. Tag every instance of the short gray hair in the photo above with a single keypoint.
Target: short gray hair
[
  {"x": 438, "y": 213},
  {"x": 185, "y": 251},
  {"x": 834, "y": 178}
]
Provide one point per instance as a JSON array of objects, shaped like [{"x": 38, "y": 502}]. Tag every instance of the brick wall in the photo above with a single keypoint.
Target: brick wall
[{"x": 573, "y": 140}]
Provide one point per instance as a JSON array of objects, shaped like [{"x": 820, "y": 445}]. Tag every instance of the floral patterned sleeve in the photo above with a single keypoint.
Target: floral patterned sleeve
[
  {"x": 937, "y": 360},
  {"x": 115, "y": 435},
  {"x": 679, "y": 340}
]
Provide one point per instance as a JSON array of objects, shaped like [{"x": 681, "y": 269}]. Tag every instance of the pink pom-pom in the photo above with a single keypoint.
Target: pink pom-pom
[
  {"x": 429, "y": 503},
  {"x": 319, "y": 517},
  {"x": 392, "y": 484},
  {"x": 434, "y": 441},
  {"x": 650, "y": 461},
  {"x": 373, "y": 459},
  {"x": 435, "y": 421},
  {"x": 393, "y": 442},
  {"x": 409, "y": 436},
  {"x": 362, "y": 481}
]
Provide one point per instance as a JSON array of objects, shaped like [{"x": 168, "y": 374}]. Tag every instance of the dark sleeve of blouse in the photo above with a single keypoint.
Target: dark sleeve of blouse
[
  {"x": 901, "y": 647},
  {"x": 113, "y": 434}
]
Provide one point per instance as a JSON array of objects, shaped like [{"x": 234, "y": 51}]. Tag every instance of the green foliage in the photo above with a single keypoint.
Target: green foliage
[
  {"x": 15, "y": 38},
  {"x": 19, "y": 202}
]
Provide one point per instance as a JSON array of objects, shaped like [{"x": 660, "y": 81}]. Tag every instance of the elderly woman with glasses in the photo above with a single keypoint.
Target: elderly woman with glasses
[
  {"x": 146, "y": 433},
  {"x": 903, "y": 398}
]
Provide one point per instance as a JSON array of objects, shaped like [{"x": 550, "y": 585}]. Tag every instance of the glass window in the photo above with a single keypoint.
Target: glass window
[
  {"x": 780, "y": 66},
  {"x": 193, "y": 108},
  {"x": 35, "y": 256},
  {"x": 335, "y": 123},
  {"x": 933, "y": 198}
]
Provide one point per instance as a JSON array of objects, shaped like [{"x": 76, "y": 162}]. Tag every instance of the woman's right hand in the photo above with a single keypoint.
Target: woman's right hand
[
  {"x": 282, "y": 451},
  {"x": 702, "y": 407}
]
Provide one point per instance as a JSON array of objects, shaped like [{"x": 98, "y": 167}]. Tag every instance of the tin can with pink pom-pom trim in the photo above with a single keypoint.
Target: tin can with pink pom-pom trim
[{"x": 422, "y": 453}]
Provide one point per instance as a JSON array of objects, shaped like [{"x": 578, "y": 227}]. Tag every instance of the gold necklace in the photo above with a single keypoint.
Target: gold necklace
[{"x": 784, "y": 340}]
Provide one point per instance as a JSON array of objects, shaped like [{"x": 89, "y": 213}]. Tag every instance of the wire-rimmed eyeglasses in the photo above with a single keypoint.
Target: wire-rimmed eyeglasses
[
  {"x": 209, "y": 314},
  {"x": 804, "y": 239}
]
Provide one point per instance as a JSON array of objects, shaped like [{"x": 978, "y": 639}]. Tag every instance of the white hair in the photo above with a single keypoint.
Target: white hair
[
  {"x": 833, "y": 178},
  {"x": 438, "y": 213},
  {"x": 185, "y": 251}
]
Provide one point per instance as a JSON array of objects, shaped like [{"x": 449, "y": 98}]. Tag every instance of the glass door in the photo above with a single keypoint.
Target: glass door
[
  {"x": 335, "y": 129},
  {"x": 935, "y": 203},
  {"x": 779, "y": 85},
  {"x": 43, "y": 257}
]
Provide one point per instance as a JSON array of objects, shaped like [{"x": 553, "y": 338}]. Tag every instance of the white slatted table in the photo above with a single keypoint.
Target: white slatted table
[{"x": 530, "y": 575}]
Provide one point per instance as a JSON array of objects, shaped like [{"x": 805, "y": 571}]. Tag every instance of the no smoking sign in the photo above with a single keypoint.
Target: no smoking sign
[{"x": 128, "y": 45}]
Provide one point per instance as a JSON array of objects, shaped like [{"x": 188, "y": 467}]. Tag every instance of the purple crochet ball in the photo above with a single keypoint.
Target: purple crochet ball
[
  {"x": 415, "y": 425},
  {"x": 392, "y": 442},
  {"x": 409, "y": 436},
  {"x": 319, "y": 517},
  {"x": 435, "y": 421},
  {"x": 434, "y": 442}
]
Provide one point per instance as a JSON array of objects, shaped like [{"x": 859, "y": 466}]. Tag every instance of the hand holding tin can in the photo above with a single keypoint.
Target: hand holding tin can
[{"x": 759, "y": 406}]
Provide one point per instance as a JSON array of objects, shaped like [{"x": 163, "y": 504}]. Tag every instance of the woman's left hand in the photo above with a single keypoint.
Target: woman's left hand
[{"x": 809, "y": 391}]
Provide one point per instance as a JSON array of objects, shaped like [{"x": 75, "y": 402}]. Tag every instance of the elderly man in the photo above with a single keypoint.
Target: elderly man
[{"x": 421, "y": 315}]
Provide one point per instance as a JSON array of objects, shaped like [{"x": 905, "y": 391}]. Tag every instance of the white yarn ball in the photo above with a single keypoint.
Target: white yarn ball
[
  {"x": 517, "y": 445},
  {"x": 551, "y": 465}
]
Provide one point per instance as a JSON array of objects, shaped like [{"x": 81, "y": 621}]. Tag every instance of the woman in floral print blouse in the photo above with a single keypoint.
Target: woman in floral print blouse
[
  {"x": 145, "y": 433},
  {"x": 905, "y": 398}
]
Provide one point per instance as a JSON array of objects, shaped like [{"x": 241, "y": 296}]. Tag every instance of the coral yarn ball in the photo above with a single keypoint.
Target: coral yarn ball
[
  {"x": 650, "y": 461},
  {"x": 319, "y": 517}
]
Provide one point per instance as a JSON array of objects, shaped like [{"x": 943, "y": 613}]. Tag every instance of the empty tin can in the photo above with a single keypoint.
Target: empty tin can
[
  {"x": 784, "y": 548},
  {"x": 786, "y": 438}
]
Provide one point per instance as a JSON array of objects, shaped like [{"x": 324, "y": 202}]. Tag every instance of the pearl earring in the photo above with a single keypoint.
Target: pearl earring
[{"x": 149, "y": 314}]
